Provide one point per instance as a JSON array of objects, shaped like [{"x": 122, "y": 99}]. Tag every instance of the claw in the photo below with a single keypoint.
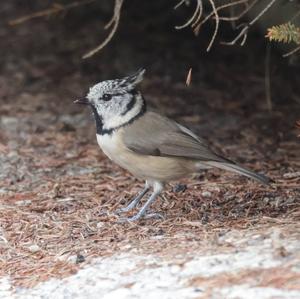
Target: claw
[
  {"x": 138, "y": 217},
  {"x": 154, "y": 216},
  {"x": 123, "y": 210},
  {"x": 134, "y": 202},
  {"x": 157, "y": 188},
  {"x": 119, "y": 211}
]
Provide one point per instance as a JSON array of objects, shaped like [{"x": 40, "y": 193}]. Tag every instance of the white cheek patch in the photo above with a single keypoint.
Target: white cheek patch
[{"x": 116, "y": 119}]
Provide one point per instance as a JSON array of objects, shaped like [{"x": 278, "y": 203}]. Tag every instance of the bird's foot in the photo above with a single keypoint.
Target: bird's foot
[
  {"x": 138, "y": 217},
  {"x": 103, "y": 213},
  {"x": 123, "y": 210},
  {"x": 154, "y": 216},
  {"x": 128, "y": 208}
]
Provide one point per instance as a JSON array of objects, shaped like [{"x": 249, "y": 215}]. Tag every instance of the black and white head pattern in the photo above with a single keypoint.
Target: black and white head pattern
[{"x": 116, "y": 102}]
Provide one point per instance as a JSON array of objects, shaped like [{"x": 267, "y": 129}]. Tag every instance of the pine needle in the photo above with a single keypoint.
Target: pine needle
[{"x": 284, "y": 33}]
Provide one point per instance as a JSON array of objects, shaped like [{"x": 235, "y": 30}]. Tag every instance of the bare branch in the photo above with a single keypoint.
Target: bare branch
[
  {"x": 291, "y": 52},
  {"x": 179, "y": 4},
  {"x": 297, "y": 14},
  {"x": 244, "y": 31},
  {"x": 115, "y": 21},
  {"x": 267, "y": 78},
  {"x": 198, "y": 25},
  {"x": 216, "y": 27},
  {"x": 197, "y": 15},
  {"x": 195, "y": 21},
  {"x": 239, "y": 16},
  {"x": 55, "y": 9}
]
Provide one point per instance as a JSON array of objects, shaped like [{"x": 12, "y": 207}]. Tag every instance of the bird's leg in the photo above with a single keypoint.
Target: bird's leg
[
  {"x": 157, "y": 188},
  {"x": 135, "y": 200}
]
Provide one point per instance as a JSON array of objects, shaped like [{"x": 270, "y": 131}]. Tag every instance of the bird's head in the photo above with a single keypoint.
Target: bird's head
[{"x": 115, "y": 101}]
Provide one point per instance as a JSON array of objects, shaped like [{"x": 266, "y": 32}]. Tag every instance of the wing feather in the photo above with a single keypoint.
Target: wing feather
[{"x": 156, "y": 135}]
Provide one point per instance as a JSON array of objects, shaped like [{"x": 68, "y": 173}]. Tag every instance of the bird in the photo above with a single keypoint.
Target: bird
[{"x": 152, "y": 147}]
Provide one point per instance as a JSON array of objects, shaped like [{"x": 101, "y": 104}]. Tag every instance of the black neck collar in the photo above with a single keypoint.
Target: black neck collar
[{"x": 99, "y": 123}]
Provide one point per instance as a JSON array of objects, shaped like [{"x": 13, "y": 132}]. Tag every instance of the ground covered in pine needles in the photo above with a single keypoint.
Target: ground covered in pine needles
[{"x": 58, "y": 192}]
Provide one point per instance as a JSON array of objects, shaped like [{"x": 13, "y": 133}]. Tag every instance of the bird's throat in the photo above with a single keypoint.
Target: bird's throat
[{"x": 98, "y": 120}]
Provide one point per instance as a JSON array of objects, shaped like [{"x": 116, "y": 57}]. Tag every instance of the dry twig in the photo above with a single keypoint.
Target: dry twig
[
  {"x": 55, "y": 9},
  {"x": 115, "y": 22},
  {"x": 291, "y": 52},
  {"x": 216, "y": 27},
  {"x": 179, "y": 4},
  {"x": 243, "y": 33},
  {"x": 189, "y": 77},
  {"x": 241, "y": 14},
  {"x": 267, "y": 78},
  {"x": 199, "y": 24},
  {"x": 195, "y": 17},
  {"x": 194, "y": 21}
]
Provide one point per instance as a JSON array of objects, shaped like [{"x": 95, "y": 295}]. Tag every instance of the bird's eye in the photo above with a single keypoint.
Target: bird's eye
[{"x": 106, "y": 97}]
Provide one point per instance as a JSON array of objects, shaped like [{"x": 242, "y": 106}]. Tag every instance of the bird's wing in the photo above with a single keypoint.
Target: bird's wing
[{"x": 157, "y": 135}]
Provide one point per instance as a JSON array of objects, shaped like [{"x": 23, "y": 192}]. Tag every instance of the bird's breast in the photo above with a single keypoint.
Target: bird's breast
[
  {"x": 110, "y": 145},
  {"x": 143, "y": 166}
]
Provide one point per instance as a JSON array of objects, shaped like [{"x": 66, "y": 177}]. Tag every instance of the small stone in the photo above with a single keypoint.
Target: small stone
[
  {"x": 34, "y": 248},
  {"x": 100, "y": 224},
  {"x": 206, "y": 194},
  {"x": 126, "y": 247},
  {"x": 174, "y": 269},
  {"x": 80, "y": 259},
  {"x": 25, "y": 202},
  {"x": 66, "y": 127},
  {"x": 214, "y": 188},
  {"x": 179, "y": 188},
  {"x": 281, "y": 252},
  {"x": 66, "y": 199},
  {"x": 71, "y": 259},
  {"x": 291, "y": 175}
]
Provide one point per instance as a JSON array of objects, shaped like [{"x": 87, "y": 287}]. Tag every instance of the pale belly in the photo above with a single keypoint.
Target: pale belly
[{"x": 145, "y": 167}]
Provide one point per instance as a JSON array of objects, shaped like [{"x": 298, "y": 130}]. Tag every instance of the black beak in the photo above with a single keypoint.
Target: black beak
[{"x": 82, "y": 101}]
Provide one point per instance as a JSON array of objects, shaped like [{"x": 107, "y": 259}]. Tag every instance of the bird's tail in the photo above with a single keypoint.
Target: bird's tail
[{"x": 240, "y": 170}]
